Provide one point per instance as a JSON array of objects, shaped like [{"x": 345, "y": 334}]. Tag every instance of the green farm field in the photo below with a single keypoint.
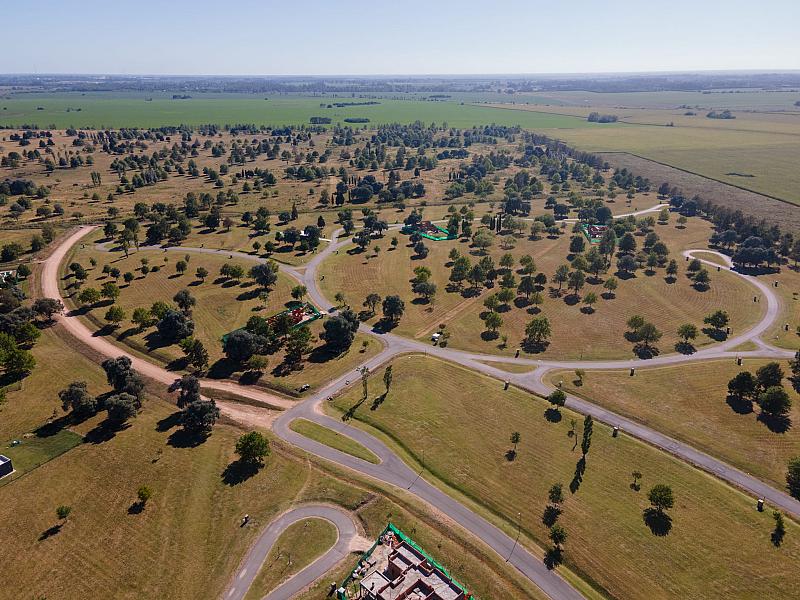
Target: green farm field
[
  {"x": 102, "y": 110},
  {"x": 439, "y": 408}
]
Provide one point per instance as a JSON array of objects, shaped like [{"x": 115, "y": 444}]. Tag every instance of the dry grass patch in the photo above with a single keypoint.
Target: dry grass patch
[
  {"x": 440, "y": 407},
  {"x": 689, "y": 403}
]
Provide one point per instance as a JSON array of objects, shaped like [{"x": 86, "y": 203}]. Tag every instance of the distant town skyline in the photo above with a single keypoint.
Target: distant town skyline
[{"x": 355, "y": 37}]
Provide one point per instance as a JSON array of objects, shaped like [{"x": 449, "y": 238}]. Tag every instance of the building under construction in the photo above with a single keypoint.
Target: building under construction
[{"x": 396, "y": 568}]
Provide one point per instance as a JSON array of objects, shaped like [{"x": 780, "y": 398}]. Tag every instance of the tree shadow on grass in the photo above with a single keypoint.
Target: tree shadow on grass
[
  {"x": 777, "y": 537},
  {"x": 238, "y": 472},
  {"x": 553, "y": 415},
  {"x": 376, "y": 403},
  {"x": 659, "y": 522},
  {"x": 685, "y": 348},
  {"x": 775, "y": 423},
  {"x": 184, "y": 438},
  {"x": 488, "y": 336},
  {"x": 222, "y": 369},
  {"x": 352, "y": 410},
  {"x": 105, "y": 431},
  {"x": 511, "y": 455},
  {"x": 136, "y": 508},
  {"x": 718, "y": 335},
  {"x": 50, "y": 532},
  {"x": 741, "y": 406},
  {"x": 169, "y": 422},
  {"x": 577, "y": 478},
  {"x": 645, "y": 351},
  {"x": 53, "y": 427}
]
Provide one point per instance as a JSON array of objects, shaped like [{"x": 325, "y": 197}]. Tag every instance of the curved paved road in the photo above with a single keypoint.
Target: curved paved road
[
  {"x": 255, "y": 557},
  {"x": 394, "y": 471}
]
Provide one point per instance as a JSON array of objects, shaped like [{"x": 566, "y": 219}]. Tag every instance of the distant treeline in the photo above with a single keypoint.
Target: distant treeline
[
  {"x": 725, "y": 114},
  {"x": 356, "y": 120},
  {"x": 437, "y": 87},
  {"x": 596, "y": 117},
  {"x": 320, "y": 120}
]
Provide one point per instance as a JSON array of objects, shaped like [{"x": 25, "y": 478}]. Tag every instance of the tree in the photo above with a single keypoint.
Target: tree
[
  {"x": 774, "y": 401},
  {"x": 181, "y": 266},
  {"x": 576, "y": 281},
  {"x": 185, "y": 301},
  {"x": 201, "y": 273},
  {"x": 115, "y": 315},
  {"x": 387, "y": 378},
  {"x": 425, "y": 289},
  {"x": 299, "y": 292},
  {"x": 538, "y": 331},
  {"x": 265, "y": 274},
  {"x": 372, "y": 302},
  {"x": 770, "y": 375},
  {"x": 743, "y": 386},
  {"x": 661, "y": 497},
  {"x": 393, "y": 308},
  {"x": 142, "y": 318},
  {"x": 189, "y": 387},
  {"x": 793, "y": 477},
  {"x": 558, "y": 535},
  {"x": 556, "y": 493},
  {"x": 672, "y": 269},
  {"x": 128, "y": 277},
  {"x": 483, "y": 239},
  {"x": 561, "y": 276},
  {"x": 718, "y": 319},
  {"x": 47, "y": 307},
  {"x": 626, "y": 264},
  {"x": 195, "y": 352},
  {"x": 588, "y": 427},
  {"x": 493, "y": 321},
  {"x": 702, "y": 280},
  {"x": 75, "y": 397},
  {"x": 687, "y": 332},
  {"x": 298, "y": 344},
  {"x": 590, "y": 300},
  {"x": 794, "y": 365},
  {"x": 515, "y": 437},
  {"x": 557, "y": 398},
  {"x": 89, "y": 296},
  {"x": 109, "y": 291},
  {"x": 199, "y": 416},
  {"x": 340, "y": 330},
  {"x": 648, "y": 334},
  {"x": 240, "y": 345},
  {"x": 121, "y": 407},
  {"x": 252, "y": 448},
  {"x": 577, "y": 244},
  {"x": 527, "y": 286},
  {"x": 610, "y": 285},
  {"x": 62, "y": 512},
  {"x": 144, "y": 493},
  {"x": 175, "y": 326}
]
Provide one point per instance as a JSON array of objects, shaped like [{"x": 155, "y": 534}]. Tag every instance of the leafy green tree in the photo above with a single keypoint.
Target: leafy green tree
[
  {"x": 770, "y": 375},
  {"x": 557, "y": 398},
  {"x": 115, "y": 315},
  {"x": 76, "y": 397},
  {"x": 556, "y": 493},
  {"x": 144, "y": 493},
  {"x": 743, "y": 386},
  {"x": 774, "y": 401},
  {"x": 661, "y": 497},
  {"x": 393, "y": 308},
  {"x": 252, "y": 448},
  {"x": 793, "y": 477}
]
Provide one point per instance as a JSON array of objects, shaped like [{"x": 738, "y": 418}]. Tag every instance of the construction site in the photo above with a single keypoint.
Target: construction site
[{"x": 396, "y": 568}]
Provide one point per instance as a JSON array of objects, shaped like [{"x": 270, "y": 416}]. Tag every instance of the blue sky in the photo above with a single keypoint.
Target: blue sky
[{"x": 241, "y": 37}]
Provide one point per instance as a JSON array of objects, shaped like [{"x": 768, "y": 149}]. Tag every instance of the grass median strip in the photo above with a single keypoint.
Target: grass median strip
[{"x": 335, "y": 440}]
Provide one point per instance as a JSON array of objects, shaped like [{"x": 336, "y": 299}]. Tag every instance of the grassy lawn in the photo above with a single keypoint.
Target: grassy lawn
[
  {"x": 34, "y": 451},
  {"x": 689, "y": 403},
  {"x": 333, "y": 439},
  {"x": 576, "y": 333},
  {"x": 296, "y": 548},
  {"x": 439, "y": 407},
  {"x": 221, "y": 307}
]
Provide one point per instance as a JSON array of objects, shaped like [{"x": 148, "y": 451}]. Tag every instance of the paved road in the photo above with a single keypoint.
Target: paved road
[
  {"x": 255, "y": 557},
  {"x": 394, "y": 471}
]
